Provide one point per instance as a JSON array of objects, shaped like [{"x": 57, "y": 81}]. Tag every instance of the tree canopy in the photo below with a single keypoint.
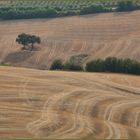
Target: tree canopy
[{"x": 28, "y": 40}]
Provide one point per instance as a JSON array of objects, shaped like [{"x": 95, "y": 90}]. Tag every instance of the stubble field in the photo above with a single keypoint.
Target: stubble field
[
  {"x": 98, "y": 36},
  {"x": 46, "y": 104}
]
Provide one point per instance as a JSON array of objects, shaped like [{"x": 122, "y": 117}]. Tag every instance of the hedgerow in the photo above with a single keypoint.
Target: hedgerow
[
  {"x": 25, "y": 9},
  {"x": 112, "y": 64}
]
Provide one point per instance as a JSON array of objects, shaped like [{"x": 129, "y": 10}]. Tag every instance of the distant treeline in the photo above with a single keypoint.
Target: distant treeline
[
  {"x": 19, "y": 12},
  {"x": 110, "y": 64}
]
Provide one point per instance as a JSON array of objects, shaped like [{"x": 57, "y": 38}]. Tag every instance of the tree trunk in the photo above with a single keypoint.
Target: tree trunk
[
  {"x": 23, "y": 47},
  {"x": 32, "y": 46}
]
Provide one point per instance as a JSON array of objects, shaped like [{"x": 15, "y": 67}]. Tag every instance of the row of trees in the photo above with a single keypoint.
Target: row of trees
[
  {"x": 110, "y": 64},
  {"x": 37, "y": 12},
  {"x": 121, "y": 6},
  {"x": 24, "y": 13}
]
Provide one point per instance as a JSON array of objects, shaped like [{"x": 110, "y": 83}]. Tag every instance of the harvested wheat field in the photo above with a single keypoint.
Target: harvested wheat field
[
  {"x": 46, "y": 104},
  {"x": 97, "y": 35}
]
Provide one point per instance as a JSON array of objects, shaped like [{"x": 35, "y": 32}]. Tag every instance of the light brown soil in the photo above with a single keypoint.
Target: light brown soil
[
  {"x": 45, "y": 104},
  {"x": 99, "y": 36}
]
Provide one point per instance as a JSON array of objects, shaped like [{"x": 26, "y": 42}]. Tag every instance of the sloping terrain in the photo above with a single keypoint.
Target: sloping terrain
[
  {"x": 98, "y": 36},
  {"x": 45, "y": 104}
]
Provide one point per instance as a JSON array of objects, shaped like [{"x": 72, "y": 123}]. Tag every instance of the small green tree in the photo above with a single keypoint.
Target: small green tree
[
  {"x": 57, "y": 65},
  {"x": 73, "y": 66}
]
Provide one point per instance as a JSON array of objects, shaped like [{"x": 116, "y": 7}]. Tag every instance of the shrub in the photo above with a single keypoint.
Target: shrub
[
  {"x": 57, "y": 65},
  {"x": 5, "y": 64},
  {"x": 78, "y": 59},
  {"x": 96, "y": 66},
  {"x": 73, "y": 67},
  {"x": 70, "y": 66}
]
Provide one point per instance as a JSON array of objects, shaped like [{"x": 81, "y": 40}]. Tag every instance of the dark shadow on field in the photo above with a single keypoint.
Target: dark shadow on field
[
  {"x": 17, "y": 57},
  {"x": 89, "y": 15},
  {"x": 97, "y": 14},
  {"x": 122, "y": 13}
]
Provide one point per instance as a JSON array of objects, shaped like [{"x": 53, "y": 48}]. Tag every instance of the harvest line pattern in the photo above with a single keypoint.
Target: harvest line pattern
[
  {"x": 68, "y": 105},
  {"x": 97, "y": 36}
]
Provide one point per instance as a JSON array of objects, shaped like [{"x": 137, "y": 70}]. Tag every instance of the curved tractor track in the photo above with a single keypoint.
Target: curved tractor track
[
  {"x": 97, "y": 35},
  {"x": 44, "y": 104}
]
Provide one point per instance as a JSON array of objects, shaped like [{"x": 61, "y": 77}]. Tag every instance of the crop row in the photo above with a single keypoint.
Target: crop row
[{"x": 64, "y": 4}]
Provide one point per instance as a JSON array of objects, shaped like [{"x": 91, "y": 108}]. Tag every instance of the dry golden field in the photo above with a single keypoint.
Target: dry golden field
[
  {"x": 46, "y": 104},
  {"x": 98, "y": 35}
]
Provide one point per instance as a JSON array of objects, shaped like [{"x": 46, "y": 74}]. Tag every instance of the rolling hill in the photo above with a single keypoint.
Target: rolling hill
[
  {"x": 46, "y": 104},
  {"x": 97, "y": 35}
]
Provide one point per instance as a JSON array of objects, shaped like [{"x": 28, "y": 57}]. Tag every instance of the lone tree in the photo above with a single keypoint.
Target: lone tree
[{"x": 26, "y": 40}]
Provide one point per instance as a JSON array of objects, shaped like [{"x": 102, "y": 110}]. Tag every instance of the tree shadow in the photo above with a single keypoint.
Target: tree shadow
[
  {"x": 28, "y": 48},
  {"x": 17, "y": 57},
  {"x": 89, "y": 15},
  {"x": 122, "y": 13}
]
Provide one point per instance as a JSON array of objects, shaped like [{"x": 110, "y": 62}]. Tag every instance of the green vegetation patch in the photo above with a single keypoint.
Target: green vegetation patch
[
  {"x": 24, "y": 9},
  {"x": 112, "y": 64}
]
